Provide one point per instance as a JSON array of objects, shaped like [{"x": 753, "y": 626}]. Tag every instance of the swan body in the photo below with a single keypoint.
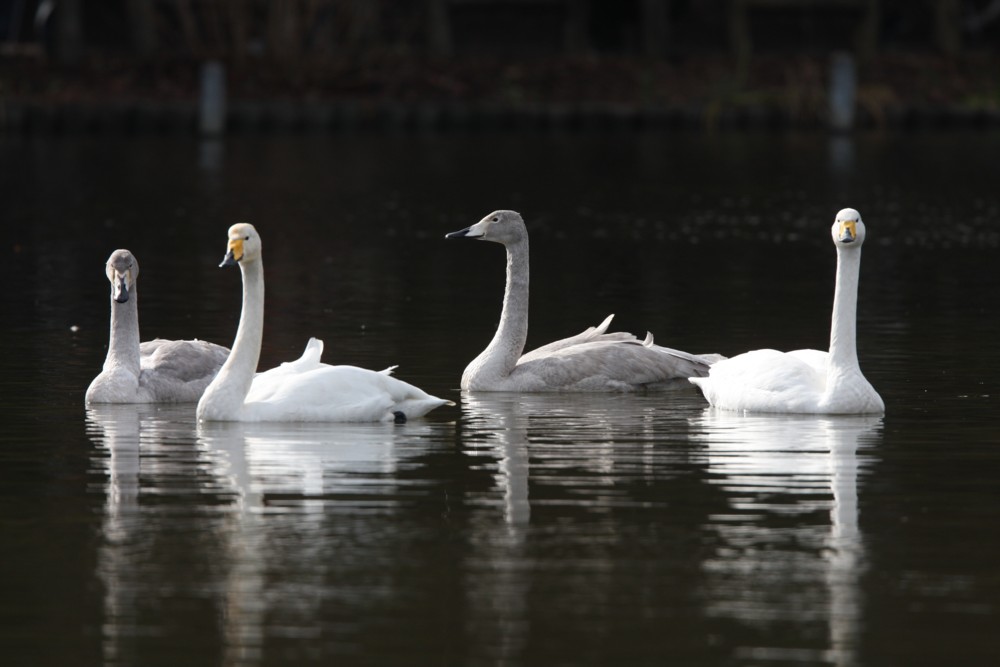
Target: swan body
[
  {"x": 593, "y": 360},
  {"x": 157, "y": 371},
  {"x": 806, "y": 381},
  {"x": 304, "y": 390}
]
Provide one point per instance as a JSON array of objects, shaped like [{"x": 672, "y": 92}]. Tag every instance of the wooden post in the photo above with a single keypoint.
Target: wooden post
[
  {"x": 842, "y": 91},
  {"x": 212, "y": 100}
]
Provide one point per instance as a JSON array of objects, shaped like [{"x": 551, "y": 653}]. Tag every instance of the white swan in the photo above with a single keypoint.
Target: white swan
[
  {"x": 157, "y": 371},
  {"x": 590, "y": 361},
  {"x": 301, "y": 390},
  {"x": 806, "y": 381}
]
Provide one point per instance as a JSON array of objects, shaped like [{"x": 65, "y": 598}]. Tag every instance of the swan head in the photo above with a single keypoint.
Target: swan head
[
  {"x": 848, "y": 229},
  {"x": 122, "y": 269},
  {"x": 504, "y": 227},
  {"x": 243, "y": 246}
]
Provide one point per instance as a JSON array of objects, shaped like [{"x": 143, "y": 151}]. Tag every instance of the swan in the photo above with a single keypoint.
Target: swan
[
  {"x": 157, "y": 371},
  {"x": 304, "y": 390},
  {"x": 593, "y": 360},
  {"x": 806, "y": 381}
]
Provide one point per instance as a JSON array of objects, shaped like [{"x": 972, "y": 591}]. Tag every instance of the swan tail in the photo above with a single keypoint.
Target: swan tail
[{"x": 310, "y": 357}]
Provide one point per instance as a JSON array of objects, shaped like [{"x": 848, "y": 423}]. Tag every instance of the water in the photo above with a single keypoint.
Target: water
[{"x": 513, "y": 530}]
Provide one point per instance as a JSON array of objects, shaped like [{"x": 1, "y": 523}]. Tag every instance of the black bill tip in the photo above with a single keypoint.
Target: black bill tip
[
  {"x": 122, "y": 295},
  {"x": 460, "y": 234},
  {"x": 228, "y": 260}
]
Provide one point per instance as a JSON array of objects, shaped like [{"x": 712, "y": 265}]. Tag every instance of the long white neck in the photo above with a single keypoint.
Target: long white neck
[
  {"x": 123, "y": 345},
  {"x": 501, "y": 355},
  {"x": 843, "y": 328},
  {"x": 223, "y": 399}
]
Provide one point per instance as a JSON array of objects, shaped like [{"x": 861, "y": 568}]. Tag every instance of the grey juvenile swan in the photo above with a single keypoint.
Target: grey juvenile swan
[
  {"x": 590, "y": 361},
  {"x": 157, "y": 371}
]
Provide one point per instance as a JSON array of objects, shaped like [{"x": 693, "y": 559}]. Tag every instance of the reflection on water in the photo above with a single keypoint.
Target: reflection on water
[
  {"x": 776, "y": 469},
  {"x": 293, "y": 471},
  {"x": 504, "y": 419},
  {"x": 548, "y": 530},
  {"x": 135, "y": 446},
  {"x": 647, "y": 521},
  {"x": 260, "y": 494},
  {"x": 497, "y": 582}
]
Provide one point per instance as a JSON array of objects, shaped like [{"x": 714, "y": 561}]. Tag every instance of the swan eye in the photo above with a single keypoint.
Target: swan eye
[
  {"x": 496, "y": 220},
  {"x": 246, "y": 238}
]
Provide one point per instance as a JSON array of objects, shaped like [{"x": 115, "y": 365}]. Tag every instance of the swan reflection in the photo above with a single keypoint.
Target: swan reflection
[
  {"x": 306, "y": 460},
  {"x": 569, "y": 454},
  {"x": 496, "y": 585},
  {"x": 773, "y": 468},
  {"x": 132, "y": 443},
  {"x": 288, "y": 477},
  {"x": 235, "y": 503},
  {"x": 501, "y": 420}
]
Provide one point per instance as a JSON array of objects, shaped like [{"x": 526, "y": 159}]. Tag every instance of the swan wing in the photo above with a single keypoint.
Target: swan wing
[
  {"x": 602, "y": 365},
  {"x": 589, "y": 335},
  {"x": 178, "y": 370},
  {"x": 334, "y": 393},
  {"x": 767, "y": 381}
]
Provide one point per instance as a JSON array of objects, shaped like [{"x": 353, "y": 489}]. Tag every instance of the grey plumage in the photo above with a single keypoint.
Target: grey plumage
[
  {"x": 592, "y": 360},
  {"x": 157, "y": 371}
]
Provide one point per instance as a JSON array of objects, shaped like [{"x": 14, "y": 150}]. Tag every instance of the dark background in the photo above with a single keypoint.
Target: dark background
[{"x": 441, "y": 62}]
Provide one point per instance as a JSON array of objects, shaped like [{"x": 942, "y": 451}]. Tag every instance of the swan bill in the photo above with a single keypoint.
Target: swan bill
[
  {"x": 228, "y": 260},
  {"x": 848, "y": 231},
  {"x": 476, "y": 231},
  {"x": 234, "y": 252},
  {"x": 120, "y": 288},
  {"x": 461, "y": 234}
]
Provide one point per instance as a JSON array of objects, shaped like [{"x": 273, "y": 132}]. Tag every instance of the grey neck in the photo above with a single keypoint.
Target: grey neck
[
  {"x": 501, "y": 355},
  {"x": 123, "y": 346}
]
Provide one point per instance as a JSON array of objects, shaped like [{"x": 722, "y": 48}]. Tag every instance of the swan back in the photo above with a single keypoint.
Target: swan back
[{"x": 806, "y": 381}]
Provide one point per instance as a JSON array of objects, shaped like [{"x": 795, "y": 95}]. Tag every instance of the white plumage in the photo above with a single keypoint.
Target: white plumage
[
  {"x": 806, "y": 381},
  {"x": 303, "y": 390}
]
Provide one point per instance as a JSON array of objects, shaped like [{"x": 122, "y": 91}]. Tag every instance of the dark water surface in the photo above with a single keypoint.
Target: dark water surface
[{"x": 508, "y": 530}]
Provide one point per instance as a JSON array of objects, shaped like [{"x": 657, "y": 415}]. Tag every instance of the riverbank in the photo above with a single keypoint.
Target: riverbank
[{"x": 396, "y": 94}]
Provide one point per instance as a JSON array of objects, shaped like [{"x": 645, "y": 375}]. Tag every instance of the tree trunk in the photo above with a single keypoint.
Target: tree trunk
[
  {"x": 655, "y": 27},
  {"x": 947, "y": 26},
  {"x": 69, "y": 45},
  {"x": 142, "y": 22},
  {"x": 439, "y": 41},
  {"x": 577, "y": 26},
  {"x": 283, "y": 29}
]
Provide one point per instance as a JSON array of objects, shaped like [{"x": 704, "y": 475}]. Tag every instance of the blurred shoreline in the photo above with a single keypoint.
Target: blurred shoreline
[{"x": 907, "y": 91}]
